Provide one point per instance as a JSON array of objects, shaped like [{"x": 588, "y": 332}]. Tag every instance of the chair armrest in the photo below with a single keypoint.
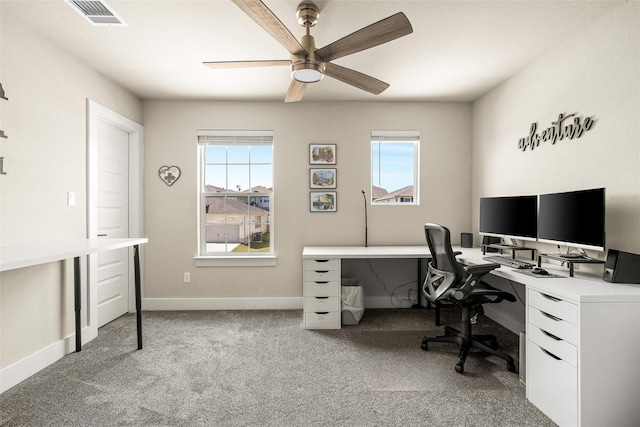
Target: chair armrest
[
  {"x": 480, "y": 268},
  {"x": 476, "y": 272},
  {"x": 456, "y": 253},
  {"x": 493, "y": 295}
]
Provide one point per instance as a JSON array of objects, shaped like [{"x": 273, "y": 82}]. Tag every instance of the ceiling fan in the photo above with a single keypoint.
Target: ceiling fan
[{"x": 310, "y": 65}]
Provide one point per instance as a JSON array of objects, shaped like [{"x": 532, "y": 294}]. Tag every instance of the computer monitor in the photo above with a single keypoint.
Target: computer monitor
[
  {"x": 511, "y": 217},
  {"x": 574, "y": 218}
]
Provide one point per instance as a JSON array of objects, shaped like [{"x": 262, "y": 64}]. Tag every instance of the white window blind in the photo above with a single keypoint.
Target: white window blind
[{"x": 235, "y": 137}]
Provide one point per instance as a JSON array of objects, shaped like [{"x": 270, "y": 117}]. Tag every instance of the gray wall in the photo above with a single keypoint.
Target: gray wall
[
  {"x": 594, "y": 73},
  {"x": 45, "y": 157},
  {"x": 171, "y": 219}
]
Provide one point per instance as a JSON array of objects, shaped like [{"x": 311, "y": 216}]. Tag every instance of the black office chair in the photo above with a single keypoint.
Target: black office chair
[{"x": 449, "y": 282}]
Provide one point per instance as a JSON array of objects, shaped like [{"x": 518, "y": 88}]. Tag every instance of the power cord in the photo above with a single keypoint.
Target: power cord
[{"x": 392, "y": 293}]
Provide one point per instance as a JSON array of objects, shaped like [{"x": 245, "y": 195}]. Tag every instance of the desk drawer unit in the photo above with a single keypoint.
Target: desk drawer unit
[
  {"x": 552, "y": 356},
  {"x": 554, "y": 387},
  {"x": 322, "y": 302}
]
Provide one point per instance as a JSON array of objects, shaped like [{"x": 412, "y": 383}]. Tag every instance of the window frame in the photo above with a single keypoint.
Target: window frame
[
  {"x": 413, "y": 137},
  {"x": 233, "y": 138}
]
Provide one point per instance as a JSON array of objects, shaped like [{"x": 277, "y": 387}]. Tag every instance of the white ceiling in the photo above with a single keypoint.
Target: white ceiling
[{"x": 457, "y": 51}]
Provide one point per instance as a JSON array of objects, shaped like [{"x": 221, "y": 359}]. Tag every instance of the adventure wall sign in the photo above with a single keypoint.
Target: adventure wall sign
[{"x": 559, "y": 130}]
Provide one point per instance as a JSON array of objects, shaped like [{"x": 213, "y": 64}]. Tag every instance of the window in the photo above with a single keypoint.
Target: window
[
  {"x": 394, "y": 167},
  {"x": 236, "y": 193}
]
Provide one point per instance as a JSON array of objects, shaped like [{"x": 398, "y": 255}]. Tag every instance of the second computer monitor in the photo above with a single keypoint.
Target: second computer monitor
[{"x": 511, "y": 217}]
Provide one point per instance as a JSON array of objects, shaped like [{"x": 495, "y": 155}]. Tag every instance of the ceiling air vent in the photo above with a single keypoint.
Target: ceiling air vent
[{"x": 96, "y": 12}]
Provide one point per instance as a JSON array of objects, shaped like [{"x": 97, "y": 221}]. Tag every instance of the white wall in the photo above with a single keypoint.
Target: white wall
[
  {"x": 170, "y": 212},
  {"x": 594, "y": 73},
  {"x": 45, "y": 157}
]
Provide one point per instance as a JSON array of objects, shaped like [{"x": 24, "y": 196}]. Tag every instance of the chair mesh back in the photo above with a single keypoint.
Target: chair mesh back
[{"x": 439, "y": 241}]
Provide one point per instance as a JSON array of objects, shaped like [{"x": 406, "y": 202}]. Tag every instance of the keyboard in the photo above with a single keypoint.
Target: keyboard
[{"x": 508, "y": 262}]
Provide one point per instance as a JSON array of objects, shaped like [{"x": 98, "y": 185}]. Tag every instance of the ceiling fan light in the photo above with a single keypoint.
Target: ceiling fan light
[{"x": 307, "y": 71}]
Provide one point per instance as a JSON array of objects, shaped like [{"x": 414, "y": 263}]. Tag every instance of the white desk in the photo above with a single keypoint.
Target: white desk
[
  {"x": 21, "y": 256},
  {"x": 310, "y": 252},
  {"x": 322, "y": 267},
  {"x": 583, "y": 334},
  {"x": 583, "y": 346}
]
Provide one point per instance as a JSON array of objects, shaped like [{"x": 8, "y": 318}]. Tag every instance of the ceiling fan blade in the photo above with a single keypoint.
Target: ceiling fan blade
[
  {"x": 355, "y": 78},
  {"x": 247, "y": 64},
  {"x": 263, "y": 16},
  {"x": 296, "y": 91},
  {"x": 375, "y": 34}
]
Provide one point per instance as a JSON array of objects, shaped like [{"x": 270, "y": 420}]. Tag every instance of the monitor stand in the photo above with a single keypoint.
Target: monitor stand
[
  {"x": 513, "y": 248},
  {"x": 570, "y": 259}
]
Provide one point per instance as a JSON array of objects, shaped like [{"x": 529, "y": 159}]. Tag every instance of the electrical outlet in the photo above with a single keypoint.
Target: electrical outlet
[{"x": 187, "y": 277}]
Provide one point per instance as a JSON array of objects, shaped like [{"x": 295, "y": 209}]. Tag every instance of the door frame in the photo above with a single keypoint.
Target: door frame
[{"x": 95, "y": 114}]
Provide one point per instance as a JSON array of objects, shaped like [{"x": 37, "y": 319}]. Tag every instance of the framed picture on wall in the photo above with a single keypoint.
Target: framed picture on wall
[
  {"x": 323, "y": 178},
  {"x": 323, "y": 201},
  {"x": 322, "y": 154}
]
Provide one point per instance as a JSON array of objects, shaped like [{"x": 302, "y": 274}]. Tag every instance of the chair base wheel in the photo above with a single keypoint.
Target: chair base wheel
[{"x": 485, "y": 343}]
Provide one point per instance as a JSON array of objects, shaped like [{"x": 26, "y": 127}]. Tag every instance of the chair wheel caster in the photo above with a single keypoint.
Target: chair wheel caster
[
  {"x": 460, "y": 368},
  {"x": 424, "y": 345},
  {"x": 511, "y": 367}
]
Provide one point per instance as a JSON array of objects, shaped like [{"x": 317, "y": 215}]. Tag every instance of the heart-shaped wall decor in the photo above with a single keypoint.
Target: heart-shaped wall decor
[{"x": 169, "y": 174}]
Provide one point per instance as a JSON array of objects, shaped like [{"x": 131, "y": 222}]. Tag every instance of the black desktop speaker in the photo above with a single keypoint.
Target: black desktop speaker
[
  {"x": 621, "y": 267},
  {"x": 466, "y": 240}
]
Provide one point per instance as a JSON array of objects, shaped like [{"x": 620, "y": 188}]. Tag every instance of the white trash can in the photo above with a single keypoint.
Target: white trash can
[{"x": 352, "y": 301}]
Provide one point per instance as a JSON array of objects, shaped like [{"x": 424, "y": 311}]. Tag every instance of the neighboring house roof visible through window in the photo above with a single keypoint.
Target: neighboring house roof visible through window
[
  {"x": 232, "y": 206},
  {"x": 403, "y": 192}
]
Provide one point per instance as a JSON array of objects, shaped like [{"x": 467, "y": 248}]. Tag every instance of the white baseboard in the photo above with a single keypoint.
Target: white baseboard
[
  {"x": 34, "y": 363},
  {"x": 173, "y": 304},
  {"x": 505, "y": 319},
  {"x": 23, "y": 369}
]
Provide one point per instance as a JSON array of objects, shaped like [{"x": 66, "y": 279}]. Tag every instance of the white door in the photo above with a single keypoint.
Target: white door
[{"x": 113, "y": 221}]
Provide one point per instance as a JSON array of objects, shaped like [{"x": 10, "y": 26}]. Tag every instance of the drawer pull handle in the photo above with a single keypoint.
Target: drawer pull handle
[
  {"x": 550, "y": 297},
  {"x": 550, "y": 335},
  {"x": 321, "y": 283},
  {"x": 551, "y": 316},
  {"x": 321, "y": 297},
  {"x": 321, "y": 260},
  {"x": 550, "y": 354},
  {"x": 322, "y": 312},
  {"x": 322, "y": 271}
]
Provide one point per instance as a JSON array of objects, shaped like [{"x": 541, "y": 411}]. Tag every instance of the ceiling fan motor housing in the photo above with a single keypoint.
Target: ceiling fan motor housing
[{"x": 308, "y": 14}]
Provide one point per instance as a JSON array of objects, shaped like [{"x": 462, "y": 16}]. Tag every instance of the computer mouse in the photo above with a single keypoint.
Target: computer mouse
[{"x": 540, "y": 271}]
